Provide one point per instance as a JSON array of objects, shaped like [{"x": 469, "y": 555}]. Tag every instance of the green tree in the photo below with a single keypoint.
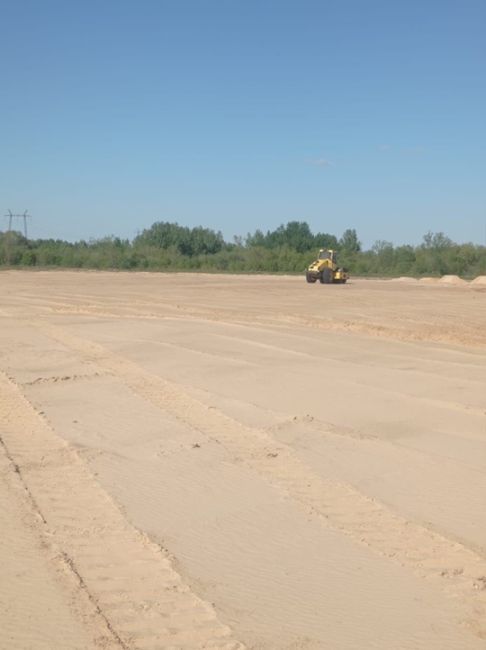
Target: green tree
[{"x": 349, "y": 241}]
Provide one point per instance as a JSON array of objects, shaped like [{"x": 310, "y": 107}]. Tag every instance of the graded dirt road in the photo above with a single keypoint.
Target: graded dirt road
[{"x": 196, "y": 461}]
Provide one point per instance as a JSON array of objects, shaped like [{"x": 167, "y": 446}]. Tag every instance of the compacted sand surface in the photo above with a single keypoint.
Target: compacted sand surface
[{"x": 197, "y": 461}]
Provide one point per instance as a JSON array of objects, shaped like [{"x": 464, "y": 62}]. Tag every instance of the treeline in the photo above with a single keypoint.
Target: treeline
[{"x": 288, "y": 249}]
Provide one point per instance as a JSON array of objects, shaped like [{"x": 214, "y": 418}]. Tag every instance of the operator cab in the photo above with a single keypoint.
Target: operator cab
[{"x": 327, "y": 255}]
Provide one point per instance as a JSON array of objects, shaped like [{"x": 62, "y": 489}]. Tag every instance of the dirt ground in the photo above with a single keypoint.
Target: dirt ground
[{"x": 197, "y": 461}]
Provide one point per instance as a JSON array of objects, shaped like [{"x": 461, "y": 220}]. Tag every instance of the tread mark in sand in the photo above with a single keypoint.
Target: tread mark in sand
[
  {"x": 130, "y": 580},
  {"x": 457, "y": 569}
]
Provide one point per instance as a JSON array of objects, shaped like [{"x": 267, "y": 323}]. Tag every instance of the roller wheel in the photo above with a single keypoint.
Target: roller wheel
[{"x": 327, "y": 276}]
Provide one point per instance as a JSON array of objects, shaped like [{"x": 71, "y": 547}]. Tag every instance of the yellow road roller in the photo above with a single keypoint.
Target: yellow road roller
[{"x": 325, "y": 269}]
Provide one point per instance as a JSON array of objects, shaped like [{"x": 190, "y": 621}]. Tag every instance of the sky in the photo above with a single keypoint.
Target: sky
[{"x": 244, "y": 114}]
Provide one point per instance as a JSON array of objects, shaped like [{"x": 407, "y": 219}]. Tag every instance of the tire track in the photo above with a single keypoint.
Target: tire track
[
  {"x": 440, "y": 404},
  {"x": 422, "y": 332},
  {"x": 455, "y": 568},
  {"x": 91, "y": 618},
  {"x": 130, "y": 581}
]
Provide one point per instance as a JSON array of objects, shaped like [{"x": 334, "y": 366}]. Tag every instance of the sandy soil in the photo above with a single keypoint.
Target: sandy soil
[{"x": 195, "y": 461}]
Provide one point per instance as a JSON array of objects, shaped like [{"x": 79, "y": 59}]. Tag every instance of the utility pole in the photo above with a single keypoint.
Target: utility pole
[
  {"x": 8, "y": 238},
  {"x": 23, "y": 216}
]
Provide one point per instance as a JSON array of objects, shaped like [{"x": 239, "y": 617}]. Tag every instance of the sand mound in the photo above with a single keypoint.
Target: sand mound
[
  {"x": 452, "y": 279},
  {"x": 429, "y": 280},
  {"x": 481, "y": 279},
  {"x": 404, "y": 278}
]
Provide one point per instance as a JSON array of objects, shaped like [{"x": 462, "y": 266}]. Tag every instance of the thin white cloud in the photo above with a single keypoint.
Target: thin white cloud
[
  {"x": 416, "y": 149},
  {"x": 384, "y": 147},
  {"x": 321, "y": 162}
]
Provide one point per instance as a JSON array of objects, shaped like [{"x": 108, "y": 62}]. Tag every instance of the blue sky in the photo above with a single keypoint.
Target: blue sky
[{"x": 239, "y": 115}]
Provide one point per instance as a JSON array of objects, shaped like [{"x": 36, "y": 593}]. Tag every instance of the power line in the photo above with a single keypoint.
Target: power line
[{"x": 23, "y": 216}]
